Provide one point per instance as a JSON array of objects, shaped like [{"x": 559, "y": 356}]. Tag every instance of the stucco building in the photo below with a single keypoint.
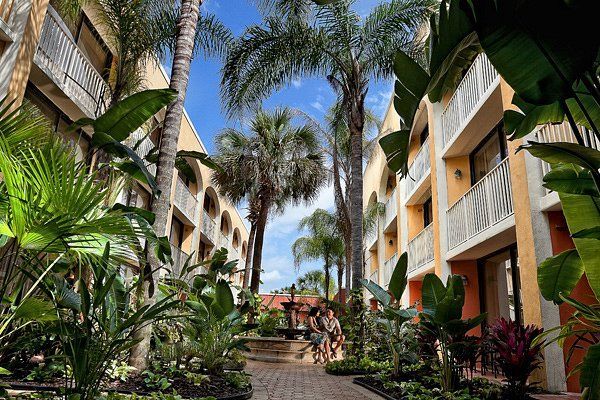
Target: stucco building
[
  {"x": 473, "y": 206},
  {"x": 62, "y": 68}
]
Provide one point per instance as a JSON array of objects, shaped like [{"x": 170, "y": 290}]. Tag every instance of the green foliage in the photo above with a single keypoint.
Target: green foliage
[
  {"x": 238, "y": 380},
  {"x": 268, "y": 320},
  {"x": 154, "y": 380},
  {"x": 119, "y": 370},
  {"x": 354, "y": 366},
  {"x": 394, "y": 316},
  {"x": 442, "y": 318}
]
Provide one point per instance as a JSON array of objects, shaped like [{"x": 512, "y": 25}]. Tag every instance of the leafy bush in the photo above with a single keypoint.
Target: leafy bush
[
  {"x": 352, "y": 365},
  {"x": 154, "y": 380},
  {"x": 518, "y": 356},
  {"x": 238, "y": 380},
  {"x": 268, "y": 321},
  {"x": 120, "y": 370}
]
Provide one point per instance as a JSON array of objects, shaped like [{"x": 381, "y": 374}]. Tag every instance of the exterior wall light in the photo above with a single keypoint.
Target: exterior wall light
[{"x": 458, "y": 174}]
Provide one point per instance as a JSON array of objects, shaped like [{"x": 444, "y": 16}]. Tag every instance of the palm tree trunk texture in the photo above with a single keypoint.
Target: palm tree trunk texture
[
  {"x": 249, "y": 253},
  {"x": 340, "y": 282},
  {"x": 259, "y": 237},
  {"x": 180, "y": 75},
  {"x": 356, "y": 122},
  {"x": 327, "y": 279}
]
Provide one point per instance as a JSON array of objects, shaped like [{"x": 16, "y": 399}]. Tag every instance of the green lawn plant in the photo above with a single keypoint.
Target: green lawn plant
[
  {"x": 394, "y": 316},
  {"x": 442, "y": 317}
]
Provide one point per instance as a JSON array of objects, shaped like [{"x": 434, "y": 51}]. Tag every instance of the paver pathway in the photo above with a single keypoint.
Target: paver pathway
[{"x": 273, "y": 381}]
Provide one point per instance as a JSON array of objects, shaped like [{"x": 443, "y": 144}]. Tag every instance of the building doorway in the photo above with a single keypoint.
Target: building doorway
[{"x": 499, "y": 285}]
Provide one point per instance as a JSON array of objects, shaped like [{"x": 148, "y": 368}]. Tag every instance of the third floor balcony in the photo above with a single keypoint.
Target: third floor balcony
[
  {"x": 209, "y": 226},
  {"x": 59, "y": 57},
  {"x": 420, "y": 249},
  {"x": 482, "y": 211},
  {"x": 419, "y": 173},
  {"x": 475, "y": 88},
  {"x": 391, "y": 210},
  {"x": 388, "y": 269}
]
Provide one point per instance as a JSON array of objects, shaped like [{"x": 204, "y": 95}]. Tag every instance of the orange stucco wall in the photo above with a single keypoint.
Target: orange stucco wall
[
  {"x": 457, "y": 187},
  {"x": 472, "y": 306},
  {"x": 414, "y": 290},
  {"x": 561, "y": 241}
]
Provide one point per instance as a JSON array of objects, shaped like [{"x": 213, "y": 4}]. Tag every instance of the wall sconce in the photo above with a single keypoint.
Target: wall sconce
[
  {"x": 465, "y": 280},
  {"x": 458, "y": 174},
  {"x": 391, "y": 242}
]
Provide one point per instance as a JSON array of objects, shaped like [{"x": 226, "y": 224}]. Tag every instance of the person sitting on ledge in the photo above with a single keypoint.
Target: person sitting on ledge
[
  {"x": 317, "y": 337},
  {"x": 331, "y": 327}
]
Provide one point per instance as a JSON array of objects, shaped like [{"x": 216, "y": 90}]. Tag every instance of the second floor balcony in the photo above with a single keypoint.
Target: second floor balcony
[
  {"x": 374, "y": 277},
  {"x": 179, "y": 258},
  {"x": 484, "y": 205},
  {"x": 388, "y": 269},
  {"x": 224, "y": 242},
  {"x": 144, "y": 147},
  {"x": 476, "y": 85},
  {"x": 185, "y": 200},
  {"x": 391, "y": 209},
  {"x": 208, "y": 226},
  {"x": 420, "y": 249},
  {"x": 62, "y": 61},
  {"x": 418, "y": 172}
]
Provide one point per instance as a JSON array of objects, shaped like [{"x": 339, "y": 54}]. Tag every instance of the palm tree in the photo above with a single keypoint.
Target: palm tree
[
  {"x": 276, "y": 163},
  {"x": 313, "y": 282},
  {"x": 193, "y": 34},
  {"x": 323, "y": 243},
  {"x": 300, "y": 38}
]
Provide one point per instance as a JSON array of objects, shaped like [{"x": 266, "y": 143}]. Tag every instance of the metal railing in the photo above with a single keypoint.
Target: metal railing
[
  {"x": 6, "y": 8},
  {"x": 58, "y": 53},
  {"x": 185, "y": 200},
  {"x": 388, "y": 268},
  {"x": 562, "y": 133},
  {"x": 208, "y": 226},
  {"x": 224, "y": 242},
  {"x": 374, "y": 276},
  {"x": 144, "y": 147},
  {"x": 420, "y": 249},
  {"x": 478, "y": 79},
  {"x": 179, "y": 258},
  {"x": 418, "y": 169},
  {"x": 390, "y": 208},
  {"x": 371, "y": 236},
  {"x": 488, "y": 202}
]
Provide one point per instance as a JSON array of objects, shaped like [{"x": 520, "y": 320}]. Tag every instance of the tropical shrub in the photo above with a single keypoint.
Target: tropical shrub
[
  {"x": 518, "y": 354},
  {"x": 442, "y": 318},
  {"x": 394, "y": 316},
  {"x": 352, "y": 366}
]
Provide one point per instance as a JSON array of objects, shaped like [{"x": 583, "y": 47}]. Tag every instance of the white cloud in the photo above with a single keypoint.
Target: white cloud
[
  {"x": 379, "y": 101},
  {"x": 269, "y": 276},
  {"x": 318, "y": 106},
  {"x": 297, "y": 83}
]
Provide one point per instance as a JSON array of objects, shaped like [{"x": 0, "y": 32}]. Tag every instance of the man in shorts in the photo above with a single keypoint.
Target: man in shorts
[{"x": 331, "y": 326}]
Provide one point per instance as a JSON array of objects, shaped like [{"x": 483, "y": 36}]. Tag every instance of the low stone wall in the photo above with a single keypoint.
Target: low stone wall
[{"x": 279, "y": 350}]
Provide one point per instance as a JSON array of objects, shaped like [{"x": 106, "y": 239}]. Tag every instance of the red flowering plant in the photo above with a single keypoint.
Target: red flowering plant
[{"x": 517, "y": 353}]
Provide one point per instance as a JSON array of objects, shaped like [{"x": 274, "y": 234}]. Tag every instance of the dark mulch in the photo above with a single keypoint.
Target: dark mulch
[
  {"x": 371, "y": 382},
  {"x": 217, "y": 387}
]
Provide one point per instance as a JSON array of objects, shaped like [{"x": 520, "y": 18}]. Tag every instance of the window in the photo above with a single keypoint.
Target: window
[
  {"x": 488, "y": 154},
  {"x": 427, "y": 212},
  {"x": 176, "y": 232}
]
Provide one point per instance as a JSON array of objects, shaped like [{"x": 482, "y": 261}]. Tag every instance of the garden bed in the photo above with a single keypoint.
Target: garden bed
[{"x": 217, "y": 387}]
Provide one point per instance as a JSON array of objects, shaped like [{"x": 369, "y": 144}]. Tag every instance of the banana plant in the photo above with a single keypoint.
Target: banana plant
[
  {"x": 442, "y": 318},
  {"x": 394, "y": 315}
]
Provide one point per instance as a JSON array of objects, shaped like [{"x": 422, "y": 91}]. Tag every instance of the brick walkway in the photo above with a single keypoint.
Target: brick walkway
[{"x": 302, "y": 382}]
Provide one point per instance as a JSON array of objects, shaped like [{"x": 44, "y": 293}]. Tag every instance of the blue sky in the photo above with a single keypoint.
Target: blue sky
[{"x": 313, "y": 96}]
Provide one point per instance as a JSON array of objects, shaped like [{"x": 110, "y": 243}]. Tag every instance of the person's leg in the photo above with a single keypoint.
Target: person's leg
[
  {"x": 340, "y": 342},
  {"x": 327, "y": 346}
]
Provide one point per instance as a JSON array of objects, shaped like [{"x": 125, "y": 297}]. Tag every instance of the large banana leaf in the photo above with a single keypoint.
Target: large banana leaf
[
  {"x": 433, "y": 292},
  {"x": 399, "y": 278},
  {"x": 590, "y": 373},
  {"x": 558, "y": 275},
  {"x": 539, "y": 59}
]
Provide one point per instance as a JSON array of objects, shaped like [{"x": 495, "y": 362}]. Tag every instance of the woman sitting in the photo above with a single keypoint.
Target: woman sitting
[{"x": 317, "y": 337}]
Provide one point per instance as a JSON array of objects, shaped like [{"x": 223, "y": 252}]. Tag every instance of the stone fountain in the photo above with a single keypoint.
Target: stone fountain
[{"x": 291, "y": 312}]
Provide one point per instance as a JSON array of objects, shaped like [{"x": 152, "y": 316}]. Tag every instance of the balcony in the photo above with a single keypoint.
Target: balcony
[
  {"x": 224, "y": 241},
  {"x": 7, "y": 8},
  {"x": 391, "y": 210},
  {"x": 185, "y": 200},
  {"x": 374, "y": 276},
  {"x": 60, "y": 58},
  {"x": 475, "y": 87},
  {"x": 208, "y": 226},
  {"x": 484, "y": 205},
  {"x": 371, "y": 238},
  {"x": 420, "y": 249},
  {"x": 388, "y": 269},
  {"x": 234, "y": 254},
  {"x": 418, "y": 172},
  {"x": 179, "y": 258},
  {"x": 143, "y": 148}
]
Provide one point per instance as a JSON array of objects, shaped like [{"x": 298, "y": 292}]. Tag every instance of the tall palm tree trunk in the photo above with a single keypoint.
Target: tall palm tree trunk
[
  {"x": 340, "y": 282},
  {"x": 356, "y": 122},
  {"x": 249, "y": 253},
  {"x": 327, "y": 278},
  {"x": 261, "y": 224},
  {"x": 180, "y": 75}
]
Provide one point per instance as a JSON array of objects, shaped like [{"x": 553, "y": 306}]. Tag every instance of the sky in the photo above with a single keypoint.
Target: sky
[{"x": 314, "y": 96}]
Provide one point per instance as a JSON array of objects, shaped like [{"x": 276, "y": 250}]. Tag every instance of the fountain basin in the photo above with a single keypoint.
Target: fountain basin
[{"x": 279, "y": 350}]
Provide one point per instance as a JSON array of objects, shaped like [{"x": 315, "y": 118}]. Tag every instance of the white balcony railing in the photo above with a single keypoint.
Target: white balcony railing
[
  {"x": 374, "y": 276},
  {"x": 371, "y": 237},
  {"x": 419, "y": 168},
  {"x": 390, "y": 208},
  {"x": 388, "y": 268},
  {"x": 488, "y": 202},
  {"x": 6, "y": 8},
  {"x": 224, "y": 241},
  {"x": 478, "y": 79},
  {"x": 185, "y": 200},
  {"x": 179, "y": 258},
  {"x": 420, "y": 249},
  {"x": 208, "y": 226},
  {"x": 234, "y": 254},
  {"x": 144, "y": 147},
  {"x": 562, "y": 133},
  {"x": 66, "y": 64}
]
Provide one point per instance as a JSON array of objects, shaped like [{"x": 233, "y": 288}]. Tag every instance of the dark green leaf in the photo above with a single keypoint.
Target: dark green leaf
[
  {"x": 149, "y": 216},
  {"x": 590, "y": 233},
  {"x": 568, "y": 178},
  {"x": 562, "y": 152},
  {"x": 433, "y": 291},
  {"x": 399, "y": 280},
  {"x": 590, "y": 372},
  {"x": 382, "y": 296},
  {"x": 559, "y": 274}
]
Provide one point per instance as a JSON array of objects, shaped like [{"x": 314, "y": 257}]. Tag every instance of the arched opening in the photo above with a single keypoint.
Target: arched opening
[
  {"x": 244, "y": 249},
  {"x": 225, "y": 223},
  {"x": 210, "y": 204},
  {"x": 235, "y": 241}
]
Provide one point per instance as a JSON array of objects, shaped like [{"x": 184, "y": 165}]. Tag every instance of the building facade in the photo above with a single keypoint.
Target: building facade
[
  {"x": 475, "y": 207},
  {"x": 62, "y": 67}
]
